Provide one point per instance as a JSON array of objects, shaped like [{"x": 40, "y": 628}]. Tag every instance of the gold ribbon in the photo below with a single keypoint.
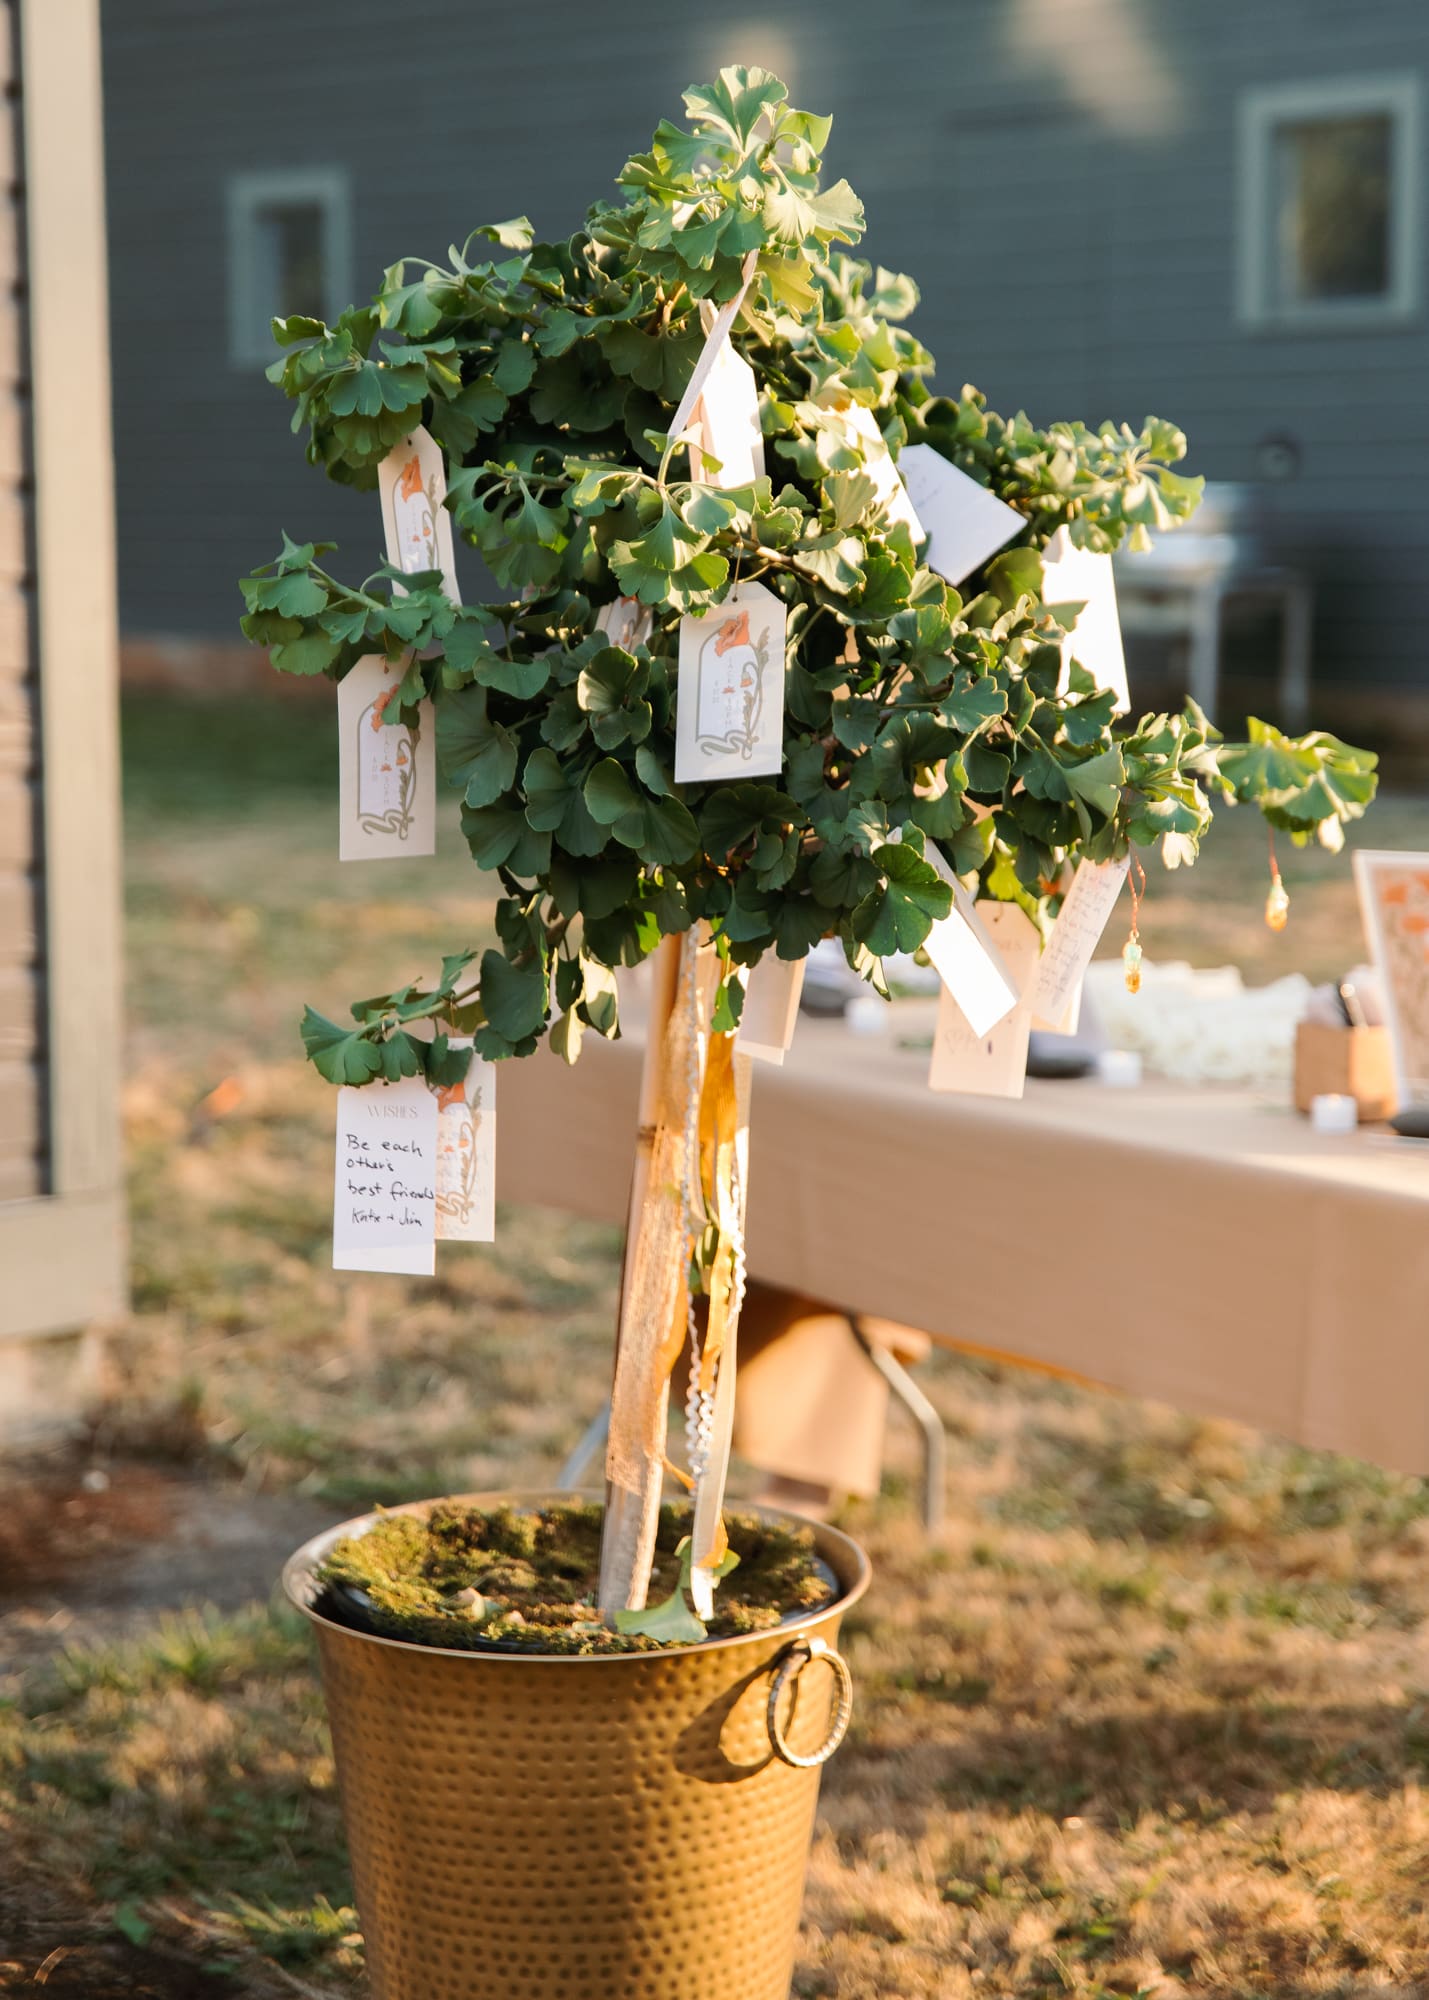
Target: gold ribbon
[
  {"x": 724, "y": 1150},
  {"x": 698, "y": 1131}
]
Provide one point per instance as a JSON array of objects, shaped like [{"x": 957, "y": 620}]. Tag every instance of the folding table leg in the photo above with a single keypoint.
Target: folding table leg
[
  {"x": 935, "y": 1443},
  {"x": 1297, "y": 615},
  {"x": 592, "y": 1441}
]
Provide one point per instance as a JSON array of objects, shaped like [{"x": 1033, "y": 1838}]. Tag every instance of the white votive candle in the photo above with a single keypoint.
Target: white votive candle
[
  {"x": 1120, "y": 1068},
  {"x": 1334, "y": 1112}
]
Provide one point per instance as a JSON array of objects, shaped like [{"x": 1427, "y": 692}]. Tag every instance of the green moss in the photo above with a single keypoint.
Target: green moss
[{"x": 526, "y": 1581}]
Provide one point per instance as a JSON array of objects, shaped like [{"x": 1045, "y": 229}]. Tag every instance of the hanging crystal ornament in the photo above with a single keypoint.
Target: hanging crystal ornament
[
  {"x": 1131, "y": 962},
  {"x": 1131, "y": 950},
  {"x": 1277, "y": 903}
]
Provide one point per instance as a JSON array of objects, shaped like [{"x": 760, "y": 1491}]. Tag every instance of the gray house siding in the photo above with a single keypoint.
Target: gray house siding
[{"x": 1059, "y": 175}]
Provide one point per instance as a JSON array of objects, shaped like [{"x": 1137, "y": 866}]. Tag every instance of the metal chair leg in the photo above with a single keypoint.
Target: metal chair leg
[
  {"x": 1205, "y": 660},
  {"x": 935, "y": 1442},
  {"x": 592, "y": 1440},
  {"x": 1297, "y": 615}
]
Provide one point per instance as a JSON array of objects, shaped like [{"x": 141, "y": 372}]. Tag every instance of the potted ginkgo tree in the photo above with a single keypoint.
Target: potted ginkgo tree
[{"x": 746, "y": 681}]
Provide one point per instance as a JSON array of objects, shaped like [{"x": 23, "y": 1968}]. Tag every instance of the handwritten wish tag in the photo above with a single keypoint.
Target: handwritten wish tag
[
  {"x": 861, "y": 426},
  {"x": 729, "y": 716},
  {"x": 771, "y": 1008},
  {"x": 1080, "y": 576},
  {"x": 384, "y": 1187},
  {"x": 625, "y": 621},
  {"x": 466, "y": 1153},
  {"x": 965, "y": 524},
  {"x": 387, "y": 773},
  {"x": 993, "y": 1064},
  {"x": 1070, "y": 1018},
  {"x": 1076, "y": 935},
  {"x": 726, "y": 424},
  {"x": 966, "y": 958},
  {"x": 715, "y": 339},
  {"x": 412, "y": 482}
]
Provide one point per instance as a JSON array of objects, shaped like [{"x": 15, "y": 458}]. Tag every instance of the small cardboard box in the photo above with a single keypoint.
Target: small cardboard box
[{"x": 1345, "y": 1062}]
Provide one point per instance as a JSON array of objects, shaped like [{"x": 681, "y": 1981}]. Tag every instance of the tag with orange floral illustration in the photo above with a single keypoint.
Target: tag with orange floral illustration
[
  {"x": 1394, "y": 902},
  {"x": 387, "y": 769},
  {"x": 412, "y": 481},
  {"x": 729, "y": 717},
  {"x": 466, "y": 1153}
]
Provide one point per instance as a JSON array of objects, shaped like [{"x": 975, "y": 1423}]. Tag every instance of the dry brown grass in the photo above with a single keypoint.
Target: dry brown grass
[{"x": 1150, "y": 1716}]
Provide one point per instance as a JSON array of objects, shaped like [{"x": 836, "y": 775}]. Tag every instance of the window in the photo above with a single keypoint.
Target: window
[
  {"x": 288, "y": 252},
  {"x": 1329, "y": 204}
]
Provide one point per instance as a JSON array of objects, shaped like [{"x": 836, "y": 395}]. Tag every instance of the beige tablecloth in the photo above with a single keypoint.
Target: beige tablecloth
[{"x": 1201, "y": 1246}]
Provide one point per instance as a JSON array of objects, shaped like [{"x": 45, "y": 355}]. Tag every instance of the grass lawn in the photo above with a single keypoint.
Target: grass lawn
[{"x": 1150, "y": 1716}]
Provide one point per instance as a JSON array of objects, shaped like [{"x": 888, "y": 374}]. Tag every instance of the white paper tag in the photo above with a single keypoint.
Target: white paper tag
[
  {"x": 626, "y": 622},
  {"x": 466, "y": 1153},
  {"x": 771, "y": 1008},
  {"x": 387, "y": 773},
  {"x": 412, "y": 481},
  {"x": 965, "y": 524},
  {"x": 1076, "y": 934},
  {"x": 966, "y": 958},
  {"x": 862, "y": 426},
  {"x": 726, "y": 423},
  {"x": 729, "y": 717},
  {"x": 1080, "y": 576},
  {"x": 1394, "y": 904},
  {"x": 384, "y": 1184},
  {"x": 994, "y": 1064},
  {"x": 1070, "y": 1019},
  {"x": 709, "y": 354}
]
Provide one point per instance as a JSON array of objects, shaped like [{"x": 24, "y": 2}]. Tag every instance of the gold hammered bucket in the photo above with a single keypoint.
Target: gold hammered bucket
[{"x": 628, "y": 1827}]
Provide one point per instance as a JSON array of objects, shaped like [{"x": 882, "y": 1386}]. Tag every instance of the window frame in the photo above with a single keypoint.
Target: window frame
[
  {"x": 1262, "y": 112},
  {"x": 326, "y": 188}
]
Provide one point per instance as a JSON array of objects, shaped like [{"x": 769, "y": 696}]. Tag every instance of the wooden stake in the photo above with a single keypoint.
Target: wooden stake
[{"x": 632, "y": 1507}]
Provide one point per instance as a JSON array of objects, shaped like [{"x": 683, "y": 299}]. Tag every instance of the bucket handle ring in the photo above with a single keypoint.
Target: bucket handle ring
[{"x": 791, "y": 1663}]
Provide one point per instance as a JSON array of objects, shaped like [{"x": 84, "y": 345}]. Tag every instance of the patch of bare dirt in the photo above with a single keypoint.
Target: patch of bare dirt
[
  {"x": 86, "y": 1558},
  {"x": 46, "y": 1955},
  {"x": 60, "y": 1522}
]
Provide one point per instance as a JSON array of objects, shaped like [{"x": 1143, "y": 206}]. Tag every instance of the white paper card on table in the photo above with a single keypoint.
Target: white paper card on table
[
  {"x": 1394, "y": 904},
  {"x": 387, "y": 773},
  {"x": 994, "y": 1064},
  {"x": 466, "y": 1152},
  {"x": 412, "y": 481},
  {"x": 771, "y": 1008},
  {"x": 966, "y": 958},
  {"x": 1080, "y": 576},
  {"x": 717, "y": 335},
  {"x": 625, "y": 621},
  {"x": 726, "y": 424},
  {"x": 964, "y": 523},
  {"x": 729, "y": 717},
  {"x": 385, "y": 1180},
  {"x": 1076, "y": 934},
  {"x": 862, "y": 427}
]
